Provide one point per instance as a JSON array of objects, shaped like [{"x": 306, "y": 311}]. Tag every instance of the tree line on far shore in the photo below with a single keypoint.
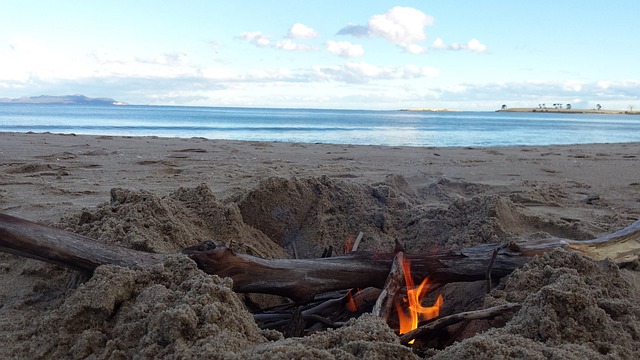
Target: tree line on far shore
[{"x": 557, "y": 106}]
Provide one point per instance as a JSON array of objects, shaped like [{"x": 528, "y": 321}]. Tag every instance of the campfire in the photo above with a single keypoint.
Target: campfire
[
  {"x": 326, "y": 292},
  {"x": 409, "y": 308},
  {"x": 331, "y": 310},
  {"x": 400, "y": 302}
]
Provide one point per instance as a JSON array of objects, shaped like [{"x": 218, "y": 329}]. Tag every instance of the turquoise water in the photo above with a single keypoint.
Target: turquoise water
[{"x": 391, "y": 128}]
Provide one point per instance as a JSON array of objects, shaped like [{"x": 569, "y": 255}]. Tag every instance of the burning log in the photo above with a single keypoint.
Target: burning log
[
  {"x": 301, "y": 279},
  {"x": 415, "y": 311},
  {"x": 437, "y": 324}
]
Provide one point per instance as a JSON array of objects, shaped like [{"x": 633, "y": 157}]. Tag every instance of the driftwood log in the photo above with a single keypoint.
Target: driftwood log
[{"x": 301, "y": 279}]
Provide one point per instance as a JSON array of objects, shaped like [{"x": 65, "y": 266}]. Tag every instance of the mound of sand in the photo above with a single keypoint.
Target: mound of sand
[
  {"x": 168, "y": 310},
  {"x": 145, "y": 221},
  {"x": 573, "y": 307},
  {"x": 313, "y": 213}
]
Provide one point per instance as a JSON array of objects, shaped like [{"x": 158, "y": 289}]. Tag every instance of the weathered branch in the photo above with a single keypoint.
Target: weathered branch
[
  {"x": 393, "y": 284},
  {"x": 28, "y": 239},
  {"x": 301, "y": 279}
]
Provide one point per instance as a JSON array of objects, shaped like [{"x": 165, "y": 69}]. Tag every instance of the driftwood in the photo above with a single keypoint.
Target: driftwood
[
  {"x": 325, "y": 311},
  {"x": 393, "y": 284},
  {"x": 25, "y": 238},
  {"x": 301, "y": 279}
]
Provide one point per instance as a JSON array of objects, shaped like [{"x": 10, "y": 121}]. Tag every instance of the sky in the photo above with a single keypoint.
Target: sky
[{"x": 354, "y": 54}]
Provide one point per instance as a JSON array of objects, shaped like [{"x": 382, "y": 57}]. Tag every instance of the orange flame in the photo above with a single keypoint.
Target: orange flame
[
  {"x": 349, "y": 244},
  {"x": 352, "y": 304},
  {"x": 413, "y": 313}
]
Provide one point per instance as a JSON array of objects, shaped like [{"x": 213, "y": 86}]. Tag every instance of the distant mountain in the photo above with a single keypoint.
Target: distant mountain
[{"x": 65, "y": 99}]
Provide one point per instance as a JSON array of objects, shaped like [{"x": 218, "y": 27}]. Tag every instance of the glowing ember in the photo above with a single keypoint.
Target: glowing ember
[
  {"x": 351, "y": 304},
  {"x": 412, "y": 312}
]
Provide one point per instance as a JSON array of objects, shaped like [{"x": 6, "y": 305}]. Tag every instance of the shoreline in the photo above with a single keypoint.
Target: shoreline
[
  {"x": 571, "y": 111},
  {"x": 186, "y": 138},
  {"x": 43, "y": 173}
]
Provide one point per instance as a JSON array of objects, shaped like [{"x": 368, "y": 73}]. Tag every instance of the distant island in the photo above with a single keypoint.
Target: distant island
[
  {"x": 76, "y": 99},
  {"x": 571, "y": 111}
]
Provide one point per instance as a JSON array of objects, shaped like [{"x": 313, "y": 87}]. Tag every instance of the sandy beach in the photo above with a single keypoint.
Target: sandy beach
[{"x": 164, "y": 194}]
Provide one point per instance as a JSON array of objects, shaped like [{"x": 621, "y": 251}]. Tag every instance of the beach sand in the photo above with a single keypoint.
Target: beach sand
[{"x": 161, "y": 195}]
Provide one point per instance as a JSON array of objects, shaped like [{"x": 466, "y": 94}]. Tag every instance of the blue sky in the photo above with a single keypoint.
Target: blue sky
[{"x": 465, "y": 55}]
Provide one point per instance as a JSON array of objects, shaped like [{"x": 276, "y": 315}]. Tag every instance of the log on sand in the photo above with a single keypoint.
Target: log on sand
[
  {"x": 25, "y": 238},
  {"x": 301, "y": 279}
]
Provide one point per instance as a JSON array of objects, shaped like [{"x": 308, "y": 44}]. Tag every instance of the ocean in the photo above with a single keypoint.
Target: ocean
[{"x": 389, "y": 128}]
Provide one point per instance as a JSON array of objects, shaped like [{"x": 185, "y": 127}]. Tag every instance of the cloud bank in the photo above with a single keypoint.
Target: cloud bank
[
  {"x": 297, "y": 31},
  {"x": 405, "y": 28},
  {"x": 362, "y": 72},
  {"x": 401, "y": 26}
]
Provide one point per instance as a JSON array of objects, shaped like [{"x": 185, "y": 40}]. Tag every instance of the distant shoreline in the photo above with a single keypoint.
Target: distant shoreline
[
  {"x": 429, "y": 110},
  {"x": 76, "y": 99},
  {"x": 572, "y": 111}
]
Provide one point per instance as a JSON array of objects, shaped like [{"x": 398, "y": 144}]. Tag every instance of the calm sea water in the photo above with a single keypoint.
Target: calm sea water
[{"x": 391, "y": 128}]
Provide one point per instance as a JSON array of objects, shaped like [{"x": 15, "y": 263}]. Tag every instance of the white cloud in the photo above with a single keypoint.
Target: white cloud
[
  {"x": 290, "y": 45},
  {"x": 297, "y": 31},
  {"x": 456, "y": 89},
  {"x": 103, "y": 56},
  {"x": 439, "y": 44},
  {"x": 473, "y": 45},
  {"x": 277, "y": 75},
  {"x": 30, "y": 62},
  {"x": 415, "y": 49},
  {"x": 344, "y": 48},
  {"x": 402, "y": 26},
  {"x": 421, "y": 71},
  {"x": 301, "y": 31},
  {"x": 361, "y": 72},
  {"x": 217, "y": 73},
  {"x": 173, "y": 58},
  {"x": 256, "y": 38},
  {"x": 575, "y": 86},
  {"x": 350, "y": 72}
]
